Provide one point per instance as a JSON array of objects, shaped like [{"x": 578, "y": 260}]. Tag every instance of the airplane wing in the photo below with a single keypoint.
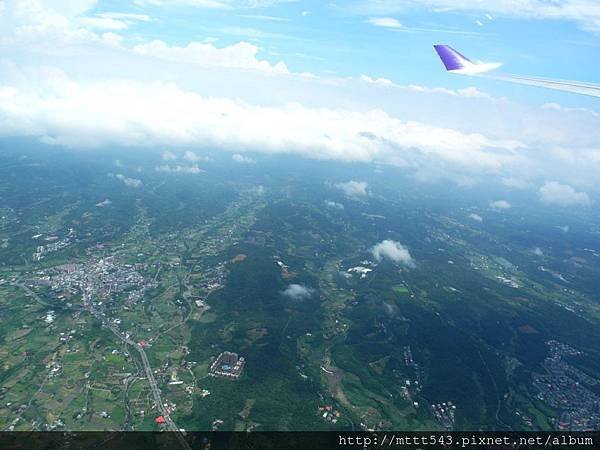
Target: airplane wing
[
  {"x": 455, "y": 62},
  {"x": 458, "y": 63}
]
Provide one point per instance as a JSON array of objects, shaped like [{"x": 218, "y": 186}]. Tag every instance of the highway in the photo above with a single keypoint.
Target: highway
[{"x": 171, "y": 426}]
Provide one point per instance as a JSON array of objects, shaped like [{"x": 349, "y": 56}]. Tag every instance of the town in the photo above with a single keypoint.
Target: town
[{"x": 567, "y": 389}]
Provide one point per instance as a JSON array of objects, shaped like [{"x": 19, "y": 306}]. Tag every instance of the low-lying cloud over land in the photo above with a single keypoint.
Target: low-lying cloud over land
[
  {"x": 178, "y": 168},
  {"x": 554, "y": 193},
  {"x": 298, "y": 292},
  {"x": 130, "y": 182},
  {"x": 242, "y": 159},
  {"x": 500, "y": 204},
  {"x": 393, "y": 251},
  {"x": 353, "y": 189},
  {"x": 332, "y": 204}
]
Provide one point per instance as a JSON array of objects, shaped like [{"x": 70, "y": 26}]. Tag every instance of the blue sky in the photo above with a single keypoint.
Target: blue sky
[
  {"x": 340, "y": 38},
  {"x": 356, "y": 80}
]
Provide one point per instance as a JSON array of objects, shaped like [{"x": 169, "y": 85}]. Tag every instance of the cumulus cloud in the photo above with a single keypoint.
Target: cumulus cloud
[
  {"x": 353, "y": 189},
  {"x": 537, "y": 251},
  {"x": 500, "y": 204},
  {"x": 468, "y": 92},
  {"x": 394, "y": 251},
  {"x": 476, "y": 217},
  {"x": 179, "y": 169},
  {"x": 559, "y": 107},
  {"x": 298, "y": 292},
  {"x": 554, "y": 193},
  {"x": 377, "y": 81},
  {"x": 168, "y": 156},
  {"x": 332, "y": 204},
  {"x": 242, "y": 159},
  {"x": 130, "y": 182},
  {"x": 385, "y": 22},
  {"x": 191, "y": 156},
  {"x": 241, "y": 55}
]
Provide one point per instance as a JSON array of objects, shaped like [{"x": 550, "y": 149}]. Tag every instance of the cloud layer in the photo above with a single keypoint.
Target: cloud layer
[
  {"x": 97, "y": 114},
  {"x": 160, "y": 94}
]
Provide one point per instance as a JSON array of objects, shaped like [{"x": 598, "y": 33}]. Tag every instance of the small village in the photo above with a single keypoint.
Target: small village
[{"x": 569, "y": 390}]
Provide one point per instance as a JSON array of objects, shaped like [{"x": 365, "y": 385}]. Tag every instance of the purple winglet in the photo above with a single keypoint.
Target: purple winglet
[{"x": 452, "y": 59}]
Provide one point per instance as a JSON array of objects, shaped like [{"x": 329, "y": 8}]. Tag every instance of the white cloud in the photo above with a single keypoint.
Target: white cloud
[
  {"x": 537, "y": 251},
  {"x": 203, "y": 98},
  {"x": 298, "y": 292},
  {"x": 113, "y": 21},
  {"x": 242, "y": 55},
  {"x": 353, "y": 189},
  {"x": 394, "y": 251},
  {"x": 385, "y": 22},
  {"x": 500, "y": 204},
  {"x": 476, "y": 217},
  {"x": 191, "y": 156},
  {"x": 168, "y": 156},
  {"x": 468, "y": 92},
  {"x": 242, "y": 159},
  {"x": 558, "y": 107},
  {"x": 379, "y": 81},
  {"x": 179, "y": 169},
  {"x": 95, "y": 114},
  {"x": 130, "y": 182},
  {"x": 554, "y": 193},
  {"x": 332, "y": 204}
]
